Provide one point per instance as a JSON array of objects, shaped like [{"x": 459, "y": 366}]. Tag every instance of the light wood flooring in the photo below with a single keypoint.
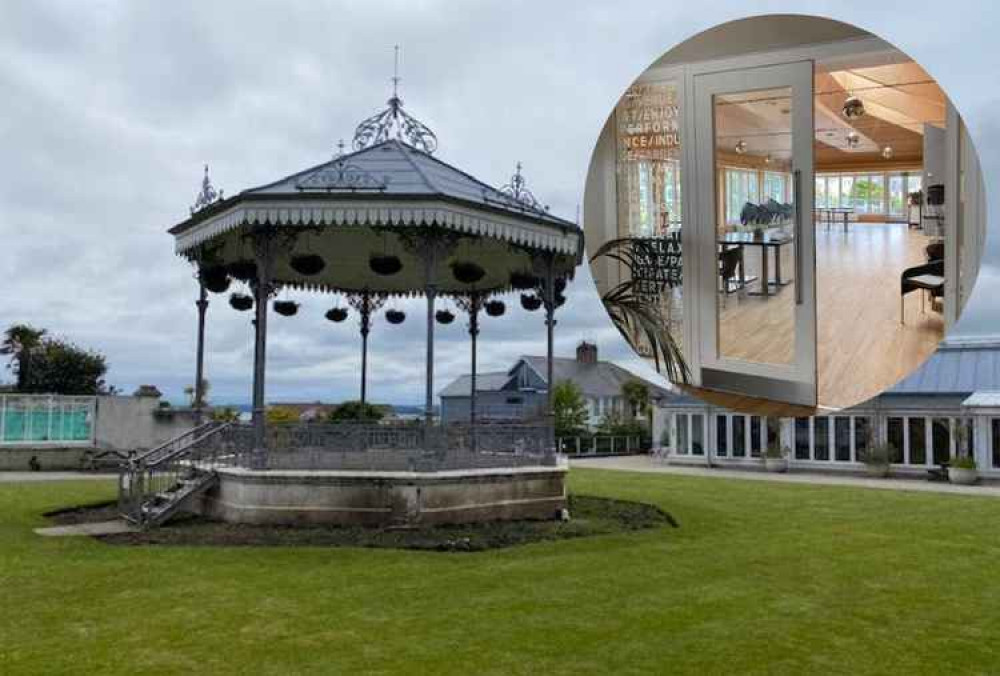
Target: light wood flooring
[{"x": 863, "y": 349}]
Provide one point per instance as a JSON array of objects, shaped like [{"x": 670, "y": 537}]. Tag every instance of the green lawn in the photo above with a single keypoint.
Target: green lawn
[{"x": 760, "y": 577}]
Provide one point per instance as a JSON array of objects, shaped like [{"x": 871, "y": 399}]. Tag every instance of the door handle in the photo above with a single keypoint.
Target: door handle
[{"x": 797, "y": 233}]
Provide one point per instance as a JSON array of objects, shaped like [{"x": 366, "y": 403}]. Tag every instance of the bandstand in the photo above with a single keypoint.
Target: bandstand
[{"x": 384, "y": 222}]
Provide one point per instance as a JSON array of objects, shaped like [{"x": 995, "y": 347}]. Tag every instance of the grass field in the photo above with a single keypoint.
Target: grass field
[{"x": 759, "y": 578}]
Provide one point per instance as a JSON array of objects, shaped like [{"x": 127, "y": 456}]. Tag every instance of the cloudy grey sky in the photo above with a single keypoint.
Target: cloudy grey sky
[{"x": 109, "y": 109}]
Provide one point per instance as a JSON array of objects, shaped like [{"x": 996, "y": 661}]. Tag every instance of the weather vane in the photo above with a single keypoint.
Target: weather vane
[{"x": 394, "y": 123}]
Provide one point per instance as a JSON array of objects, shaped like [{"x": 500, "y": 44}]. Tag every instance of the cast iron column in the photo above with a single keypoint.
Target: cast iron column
[
  {"x": 365, "y": 327},
  {"x": 550, "y": 324},
  {"x": 199, "y": 371},
  {"x": 262, "y": 291}
]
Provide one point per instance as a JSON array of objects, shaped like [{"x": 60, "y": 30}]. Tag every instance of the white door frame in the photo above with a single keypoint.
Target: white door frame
[{"x": 795, "y": 382}]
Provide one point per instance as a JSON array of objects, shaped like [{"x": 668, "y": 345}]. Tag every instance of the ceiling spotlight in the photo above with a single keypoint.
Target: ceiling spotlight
[
  {"x": 887, "y": 152},
  {"x": 853, "y": 108},
  {"x": 767, "y": 158},
  {"x": 741, "y": 147},
  {"x": 853, "y": 139}
]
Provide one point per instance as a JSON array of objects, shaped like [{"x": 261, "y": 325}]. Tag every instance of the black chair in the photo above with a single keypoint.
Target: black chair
[
  {"x": 731, "y": 260},
  {"x": 928, "y": 277}
]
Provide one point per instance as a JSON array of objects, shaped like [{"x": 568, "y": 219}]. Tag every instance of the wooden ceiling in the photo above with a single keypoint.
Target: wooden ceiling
[{"x": 898, "y": 99}]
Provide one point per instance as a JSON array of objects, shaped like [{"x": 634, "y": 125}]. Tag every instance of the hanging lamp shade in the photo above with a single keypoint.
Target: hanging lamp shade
[
  {"x": 853, "y": 108},
  {"x": 307, "y": 264}
]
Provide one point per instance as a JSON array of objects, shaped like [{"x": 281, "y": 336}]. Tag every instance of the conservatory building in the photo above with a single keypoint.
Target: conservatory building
[{"x": 949, "y": 406}]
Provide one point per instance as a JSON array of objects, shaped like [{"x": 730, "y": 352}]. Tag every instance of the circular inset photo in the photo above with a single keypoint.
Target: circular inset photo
[{"x": 784, "y": 214}]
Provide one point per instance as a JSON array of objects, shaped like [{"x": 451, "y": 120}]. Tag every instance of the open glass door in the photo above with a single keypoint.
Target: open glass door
[{"x": 756, "y": 290}]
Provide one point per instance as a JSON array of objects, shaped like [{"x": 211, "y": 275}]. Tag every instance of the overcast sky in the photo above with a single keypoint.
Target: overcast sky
[{"x": 109, "y": 109}]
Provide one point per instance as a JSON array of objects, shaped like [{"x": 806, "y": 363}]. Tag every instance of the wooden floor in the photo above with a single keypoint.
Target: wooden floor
[{"x": 862, "y": 347}]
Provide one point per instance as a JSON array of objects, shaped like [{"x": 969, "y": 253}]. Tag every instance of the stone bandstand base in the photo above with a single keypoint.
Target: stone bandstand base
[{"x": 385, "y": 498}]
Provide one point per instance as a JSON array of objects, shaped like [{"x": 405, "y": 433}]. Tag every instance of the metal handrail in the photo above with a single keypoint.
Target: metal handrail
[{"x": 142, "y": 457}]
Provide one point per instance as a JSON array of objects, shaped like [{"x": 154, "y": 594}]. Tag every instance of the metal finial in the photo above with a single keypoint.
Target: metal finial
[
  {"x": 394, "y": 123},
  {"x": 517, "y": 191},
  {"x": 208, "y": 194},
  {"x": 340, "y": 148}
]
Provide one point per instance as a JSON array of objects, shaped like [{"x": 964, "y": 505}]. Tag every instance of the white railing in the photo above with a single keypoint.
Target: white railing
[{"x": 46, "y": 420}]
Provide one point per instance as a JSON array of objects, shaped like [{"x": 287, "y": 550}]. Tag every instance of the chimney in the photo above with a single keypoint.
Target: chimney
[{"x": 586, "y": 353}]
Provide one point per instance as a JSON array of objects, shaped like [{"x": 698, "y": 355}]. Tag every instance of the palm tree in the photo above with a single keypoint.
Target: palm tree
[
  {"x": 635, "y": 316},
  {"x": 18, "y": 342}
]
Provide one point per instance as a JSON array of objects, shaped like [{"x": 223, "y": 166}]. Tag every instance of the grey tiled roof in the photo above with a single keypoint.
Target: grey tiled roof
[
  {"x": 485, "y": 382},
  {"x": 955, "y": 368},
  {"x": 602, "y": 379},
  {"x": 409, "y": 172}
]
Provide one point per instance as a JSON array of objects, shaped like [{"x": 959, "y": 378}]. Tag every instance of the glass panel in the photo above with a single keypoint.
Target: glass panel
[
  {"x": 918, "y": 441},
  {"x": 773, "y": 430},
  {"x": 876, "y": 194},
  {"x": 698, "y": 434},
  {"x": 802, "y": 438},
  {"x": 821, "y": 191},
  {"x": 821, "y": 438},
  {"x": 861, "y": 433},
  {"x": 649, "y": 197},
  {"x": 842, "y": 439},
  {"x": 847, "y": 191},
  {"x": 721, "y": 442},
  {"x": 894, "y": 432},
  {"x": 682, "y": 434},
  {"x": 753, "y": 131},
  {"x": 739, "y": 432},
  {"x": 941, "y": 440},
  {"x": 755, "y": 436},
  {"x": 897, "y": 195}
]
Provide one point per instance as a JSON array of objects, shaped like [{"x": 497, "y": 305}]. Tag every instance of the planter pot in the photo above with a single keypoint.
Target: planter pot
[
  {"x": 962, "y": 476},
  {"x": 307, "y": 264},
  {"x": 286, "y": 308},
  {"x": 776, "y": 464},
  {"x": 495, "y": 308},
  {"x": 877, "y": 471},
  {"x": 395, "y": 316},
  {"x": 337, "y": 314},
  {"x": 385, "y": 265},
  {"x": 467, "y": 272},
  {"x": 523, "y": 281},
  {"x": 530, "y": 303}
]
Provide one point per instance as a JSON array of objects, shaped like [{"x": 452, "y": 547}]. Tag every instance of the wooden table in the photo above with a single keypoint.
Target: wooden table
[
  {"x": 773, "y": 239},
  {"x": 832, "y": 213}
]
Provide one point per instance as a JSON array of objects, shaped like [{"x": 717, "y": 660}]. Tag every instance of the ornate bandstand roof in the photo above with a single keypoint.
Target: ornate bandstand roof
[{"x": 372, "y": 201}]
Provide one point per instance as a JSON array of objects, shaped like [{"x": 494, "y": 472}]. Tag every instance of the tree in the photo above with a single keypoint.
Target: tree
[
  {"x": 282, "y": 414},
  {"x": 356, "y": 411},
  {"x": 636, "y": 395},
  {"x": 569, "y": 409},
  {"x": 60, "y": 367},
  {"x": 19, "y": 341},
  {"x": 189, "y": 392}
]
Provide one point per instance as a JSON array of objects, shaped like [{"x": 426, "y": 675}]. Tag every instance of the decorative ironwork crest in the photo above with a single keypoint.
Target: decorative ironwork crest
[
  {"x": 518, "y": 194},
  {"x": 394, "y": 123},
  {"x": 208, "y": 195},
  {"x": 341, "y": 175}
]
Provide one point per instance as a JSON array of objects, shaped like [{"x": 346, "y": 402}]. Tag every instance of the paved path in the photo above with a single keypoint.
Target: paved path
[
  {"x": 96, "y": 528},
  {"x": 644, "y": 463},
  {"x": 14, "y": 477}
]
